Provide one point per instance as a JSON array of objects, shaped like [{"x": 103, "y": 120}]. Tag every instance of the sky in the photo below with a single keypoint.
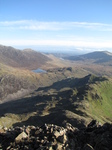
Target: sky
[{"x": 56, "y": 24}]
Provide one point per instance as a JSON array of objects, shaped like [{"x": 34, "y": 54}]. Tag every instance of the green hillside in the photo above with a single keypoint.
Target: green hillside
[
  {"x": 99, "y": 99},
  {"x": 74, "y": 100}
]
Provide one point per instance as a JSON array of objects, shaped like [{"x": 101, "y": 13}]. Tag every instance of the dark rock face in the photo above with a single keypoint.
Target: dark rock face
[
  {"x": 52, "y": 137},
  {"x": 60, "y": 69}
]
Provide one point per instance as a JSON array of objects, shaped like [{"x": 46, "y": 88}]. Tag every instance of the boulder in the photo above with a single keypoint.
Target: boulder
[
  {"x": 49, "y": 136},
  {"x": 21, "y": 136}
]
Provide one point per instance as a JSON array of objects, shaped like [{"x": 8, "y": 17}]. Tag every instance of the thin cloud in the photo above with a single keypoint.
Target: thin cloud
[
  {"x": 37, "y": 25},
  {"x": 68, "y": 43}
]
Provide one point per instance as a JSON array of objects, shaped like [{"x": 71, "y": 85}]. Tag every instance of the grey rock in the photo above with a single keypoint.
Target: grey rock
[
  {"x": 20, "y": 137},
  {"x": 49, "y": 136}
]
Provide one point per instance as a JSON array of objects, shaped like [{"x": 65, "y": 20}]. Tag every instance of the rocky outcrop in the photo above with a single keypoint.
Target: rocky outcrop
[
  {"x": 60, "y": 69},
  {"x": 53, "y": 137}
]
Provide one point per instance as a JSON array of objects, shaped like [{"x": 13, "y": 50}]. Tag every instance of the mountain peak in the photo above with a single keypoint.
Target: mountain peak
[
  {"x": 27, "y": 58},
  {"x": 108, "y": 53},
  {"x": 97, "y": 57}
]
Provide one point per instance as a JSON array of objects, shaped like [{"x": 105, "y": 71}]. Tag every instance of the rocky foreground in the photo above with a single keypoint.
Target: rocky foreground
[{"x": 53, "y": 137}]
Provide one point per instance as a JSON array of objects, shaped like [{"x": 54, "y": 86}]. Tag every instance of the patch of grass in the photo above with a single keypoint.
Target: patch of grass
[
  {"x": 100, "y": 100},
  {"x": 73, "y": 100}
]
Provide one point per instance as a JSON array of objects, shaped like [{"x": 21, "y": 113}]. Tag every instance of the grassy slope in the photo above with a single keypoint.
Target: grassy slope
[
  {"x": 95, "y": 100},
  {"x": 74, "y": 100},
  {"x": 89, "y": 97},
  {"x": 100, "y": 101}
]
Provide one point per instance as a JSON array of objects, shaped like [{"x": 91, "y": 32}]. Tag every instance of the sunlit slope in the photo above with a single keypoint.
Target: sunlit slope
[
  {"x": 99, "y": 99},
  {"x": 15, "y": 82},
  {"x": 74, "y": 100},
  {"x": 94, "y": 98},
  {"x": 27, "y": 58},
  {"x": 97, "y": 57}
]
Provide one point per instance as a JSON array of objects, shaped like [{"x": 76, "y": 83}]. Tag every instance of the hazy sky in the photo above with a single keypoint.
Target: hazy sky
[{"x": 56, "y": 23}]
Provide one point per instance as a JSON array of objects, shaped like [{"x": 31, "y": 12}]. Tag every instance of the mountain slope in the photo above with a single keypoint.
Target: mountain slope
[
  {"x": 16, "y": 82},
  {"x": 73, "y": 100},
  {"x": 96, "y": 99},
  {"x": 17, "y": 78},
  {"x": 98, "y": 57},
  {"x": 22, "y": 58}
]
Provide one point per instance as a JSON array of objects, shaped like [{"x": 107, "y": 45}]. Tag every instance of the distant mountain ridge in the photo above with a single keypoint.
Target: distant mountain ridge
[
  {"x": 27, "y": 58},
  {"x": 16, "y": 71},
  {"x": 99, "y": 57}
]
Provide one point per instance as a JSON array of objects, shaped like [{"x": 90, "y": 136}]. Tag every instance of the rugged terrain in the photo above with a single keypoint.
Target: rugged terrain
[
  {"x": 73, "y": 100},
  {"x": 53, "y": 137},
  {"x": 74, "y": 92},
  {"x": 98, "y": 62},
  {"x": 17, "y": 78},
  {"x": 16, "y": 83},
  {"x": 97, "y": 57}
]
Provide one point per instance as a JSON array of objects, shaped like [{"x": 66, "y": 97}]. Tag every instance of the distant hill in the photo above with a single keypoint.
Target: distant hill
[
  {"x": 27, "y": 58},
  {"x": 17, "y": 78},
  {"x": 98, "y": 57}
]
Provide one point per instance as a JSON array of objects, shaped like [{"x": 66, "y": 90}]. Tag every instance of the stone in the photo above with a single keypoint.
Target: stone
[
  {"x": 51, "y": 130},
  {"x": 59, "y": 138},
  {"x": 56, "y": 134},
  {"x": 58, "y": 147},
  {"x": 50, "y": 148},
  {"x": 5, "y": 128},
  {"x": 20, "y": 137},
  {"x": 37, "y": 132},
  {"x": 92, "y": 123},
  {"x": 62, "y": 138}
]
